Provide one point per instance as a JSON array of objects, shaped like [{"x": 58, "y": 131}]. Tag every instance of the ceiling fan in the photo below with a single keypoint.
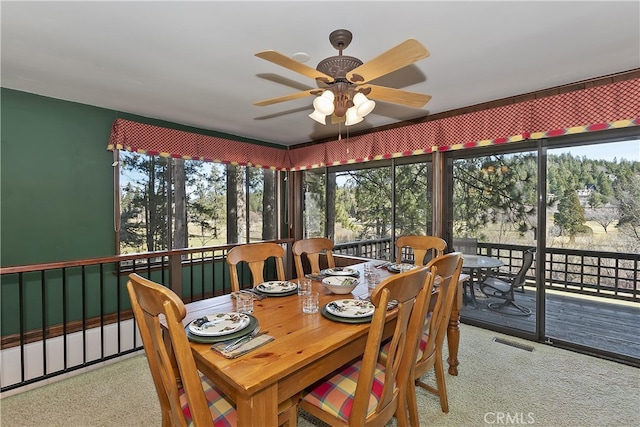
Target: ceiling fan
[{"x": 343, "y": 81}]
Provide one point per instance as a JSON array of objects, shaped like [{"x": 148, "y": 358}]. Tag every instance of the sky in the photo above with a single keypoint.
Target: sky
[{"x": 628, "y": 150}]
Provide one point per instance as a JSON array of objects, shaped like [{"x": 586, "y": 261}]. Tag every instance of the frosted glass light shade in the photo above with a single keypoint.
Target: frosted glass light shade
[
  {"x": 352, "y": 117},
  {"x": 324, "y": 103},
  {"x": 319, "y": 117},
  {"x": 363, "y": 104}
]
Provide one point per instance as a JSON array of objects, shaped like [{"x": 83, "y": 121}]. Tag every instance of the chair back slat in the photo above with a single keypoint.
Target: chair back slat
[
  {"x": 255, "y": 255},
  {"x": 422, "y": 246},
  {"x": 312, "y": 248}
]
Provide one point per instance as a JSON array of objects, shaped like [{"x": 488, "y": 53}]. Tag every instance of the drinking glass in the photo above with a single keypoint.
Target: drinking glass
[
  {"x": 304, "y": 286},
  {"x": 244, "y": 302},
  {"x": 310, "y": 302},
  {"x": 373, "y": 279}
]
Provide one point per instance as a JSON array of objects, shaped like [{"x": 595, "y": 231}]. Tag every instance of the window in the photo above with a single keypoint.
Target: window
[
  {"x": 358, "y": 209},
  {"x": 175, "y": 203}
]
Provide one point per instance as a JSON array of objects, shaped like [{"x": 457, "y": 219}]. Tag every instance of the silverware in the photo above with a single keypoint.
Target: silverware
[{"x": 242, "y": 340}]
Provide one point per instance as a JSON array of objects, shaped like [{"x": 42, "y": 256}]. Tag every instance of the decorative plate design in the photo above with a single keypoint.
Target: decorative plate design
[
  {"x": 340, "y": 271},
  {"x": 400, "y": 268},
  {"x": 217, "y": 324},
  {"x": 253, "y": 322},
  {"x": 351, "y": 308},
  {"x": 277, "y": 287},
  {"x": 335, "y": 318}
]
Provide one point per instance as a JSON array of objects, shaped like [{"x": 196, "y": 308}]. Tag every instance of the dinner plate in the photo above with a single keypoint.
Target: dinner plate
[
  {"x": 253, "y": 322},
  {"x": 340, "y": 271},
  {"x": 277, "y": 287},
  {"x": 217, "y": 324},
  {"x": 335, "y": 318},
  {"x": 399, "y": 268},
  {"x": 350, "y": 308}
]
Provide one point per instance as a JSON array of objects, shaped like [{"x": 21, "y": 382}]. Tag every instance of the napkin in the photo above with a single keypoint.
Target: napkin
[
  {"x": 252, "y": 344},
  {"x": 256, "y": 295}
]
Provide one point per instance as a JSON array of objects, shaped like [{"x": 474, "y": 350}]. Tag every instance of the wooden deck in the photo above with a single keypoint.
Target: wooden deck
[{"x": 598, "y": 323}]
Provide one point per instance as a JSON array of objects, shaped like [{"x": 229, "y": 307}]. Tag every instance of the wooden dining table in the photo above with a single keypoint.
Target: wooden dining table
[{"x": 306, "y": 348}]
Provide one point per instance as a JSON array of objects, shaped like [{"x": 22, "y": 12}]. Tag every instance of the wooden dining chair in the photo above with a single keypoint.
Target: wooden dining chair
[
  {"x": 255, "y": 255},
  {"x": 312, "y": 248},
  {"x": 421, "y": 247},
  {"x": 367, "y": 392},
  {"x": 446, "y": 269},
  {"x": 186, "y": 396}
]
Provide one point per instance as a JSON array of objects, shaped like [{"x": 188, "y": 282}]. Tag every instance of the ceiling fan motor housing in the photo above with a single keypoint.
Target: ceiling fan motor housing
[{"x": 338, "y": 66}]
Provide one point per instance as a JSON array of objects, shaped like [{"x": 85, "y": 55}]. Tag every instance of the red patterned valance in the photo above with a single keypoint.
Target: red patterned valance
[
  {"x": 602, "y": 107},
  {"x": 159, "y": 141},
  {"x": 598, "y": 108}
]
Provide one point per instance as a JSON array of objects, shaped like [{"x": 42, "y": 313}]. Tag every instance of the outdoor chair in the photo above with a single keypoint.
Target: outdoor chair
[
  {"x": 422, "y": 246},
  {"x": 186, "y": 396},
  {"x": 367, "y": 392},
  {"x": 466, "y": 245},
  {"x": 503, "y": 287},
  {"x": 255, "y": 255},
  {"x": 312, "y": 248}
]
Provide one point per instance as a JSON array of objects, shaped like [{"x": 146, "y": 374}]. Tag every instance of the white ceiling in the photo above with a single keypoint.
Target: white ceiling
[{"x": 193, "y": 62}]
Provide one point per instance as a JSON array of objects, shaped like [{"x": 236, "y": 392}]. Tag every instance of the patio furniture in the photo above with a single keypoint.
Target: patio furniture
[
  {"x": 466, "y": 245},
  {"x": 255, "y": 255},
  {"x": 503, "y": 287},
  {"x": 312, "y": 248},
  {"x": 478, "y": 267},
  {"x": 421, "y": 247}
]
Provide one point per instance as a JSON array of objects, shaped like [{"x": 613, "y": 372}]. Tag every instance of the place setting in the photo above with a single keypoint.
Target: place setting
[
  {"x": 400, "y": 268},
  {"x": 231, "y": 334},
  {"x": 340, "y": 271},
  {"x": 350, "y": 310},
  {"x": 276, "y": 288}
]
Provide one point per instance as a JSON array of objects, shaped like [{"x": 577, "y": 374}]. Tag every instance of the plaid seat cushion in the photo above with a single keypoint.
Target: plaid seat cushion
[
  {"x": 223, "y": 412},
  {"x": 384, "y": 350},
  {"x": 336, "y": 394}
]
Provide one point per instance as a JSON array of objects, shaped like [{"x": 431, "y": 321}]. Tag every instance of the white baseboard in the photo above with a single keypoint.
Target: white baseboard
[{"x": 93, "y": 340}]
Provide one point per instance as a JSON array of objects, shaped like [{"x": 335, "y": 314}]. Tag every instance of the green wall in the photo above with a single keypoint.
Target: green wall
[{"x": 56, "y": 178}]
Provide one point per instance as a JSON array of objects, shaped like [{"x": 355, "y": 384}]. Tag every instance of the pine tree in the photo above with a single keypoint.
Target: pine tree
[{"x": 570, "y": 216}]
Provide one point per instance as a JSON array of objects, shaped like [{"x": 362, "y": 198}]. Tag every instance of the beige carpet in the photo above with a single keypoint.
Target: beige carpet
[{"x": 498, "y": 385}]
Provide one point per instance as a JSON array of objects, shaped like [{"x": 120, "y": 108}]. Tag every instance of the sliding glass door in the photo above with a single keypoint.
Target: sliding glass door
[
  {"x": 592, "y": 243},
  {"x": 494, "y": 224}
]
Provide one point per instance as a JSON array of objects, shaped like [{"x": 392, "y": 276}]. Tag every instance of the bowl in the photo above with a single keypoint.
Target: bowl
[{"x": 340, "y": 285}]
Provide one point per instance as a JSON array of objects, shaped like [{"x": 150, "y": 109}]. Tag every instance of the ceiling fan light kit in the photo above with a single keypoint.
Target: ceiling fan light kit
[{"x": 343, "y": 80}]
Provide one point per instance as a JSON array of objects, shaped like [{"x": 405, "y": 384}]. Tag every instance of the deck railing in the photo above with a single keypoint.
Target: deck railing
[
  {"x": 604, "y": 274},
  {"x": 65, "y": 316}
]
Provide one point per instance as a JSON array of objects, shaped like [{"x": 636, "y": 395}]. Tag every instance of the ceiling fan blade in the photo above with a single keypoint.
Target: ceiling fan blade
[
  {"x": 396, "y": 96},
  {"x": 290, "y": 97},
  {"x": 293, "y": 65},
  {"x": 406, "y": 53}
]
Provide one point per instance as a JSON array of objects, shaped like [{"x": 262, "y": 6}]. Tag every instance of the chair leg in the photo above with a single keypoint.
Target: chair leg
[
  {"x": 498, "y": 305},
  {"x": 401, "y": 412},
  {"x": 412, "y": 404},
  {"x": 440, "y": 381}
]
